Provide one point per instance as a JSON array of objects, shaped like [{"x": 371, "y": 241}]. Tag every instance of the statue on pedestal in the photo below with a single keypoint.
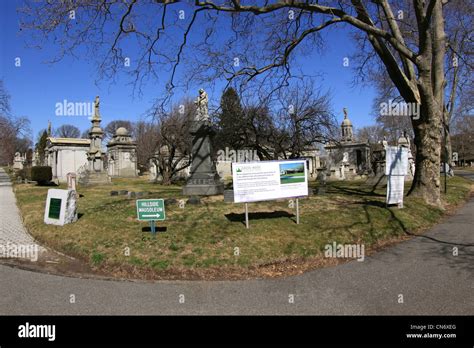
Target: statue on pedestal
[
  {"x": 95, "y": 172},
  {"x": 203, "y": 179}
]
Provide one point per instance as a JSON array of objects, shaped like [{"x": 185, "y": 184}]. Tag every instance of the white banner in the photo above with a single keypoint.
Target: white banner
[
  {"x": 395, "y": 186},
  {"x": 266, "y": 180},
  {"x": 396, "y": 167},
  {"x": 396, "y": 160}
]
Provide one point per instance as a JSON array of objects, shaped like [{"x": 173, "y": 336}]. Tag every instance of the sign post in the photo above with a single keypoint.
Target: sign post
[
  {"x": 151, "y": 210},
  {"x": 297, "y": 211}
]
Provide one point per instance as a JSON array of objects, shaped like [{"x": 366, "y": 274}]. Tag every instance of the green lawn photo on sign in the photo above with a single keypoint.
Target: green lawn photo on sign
[{"x": 291, "y": 173}]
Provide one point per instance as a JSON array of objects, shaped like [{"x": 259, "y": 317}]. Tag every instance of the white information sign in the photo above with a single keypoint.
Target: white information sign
[
  {"x": 395, "y": 186},
  {"x": 396, "y": 167},
  {"x": 396, "y": 160},
  {"x": 267, "y": 180}
]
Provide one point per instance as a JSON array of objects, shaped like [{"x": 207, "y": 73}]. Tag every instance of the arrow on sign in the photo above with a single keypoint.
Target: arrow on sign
[{"x": 155, "y": 215}]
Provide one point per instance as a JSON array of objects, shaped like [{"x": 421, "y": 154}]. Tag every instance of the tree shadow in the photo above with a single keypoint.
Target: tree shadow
[
  {"x": 353, "y": 191},
  {"x": 434, "y": 248},
  {"x": 157, "y": 228}
]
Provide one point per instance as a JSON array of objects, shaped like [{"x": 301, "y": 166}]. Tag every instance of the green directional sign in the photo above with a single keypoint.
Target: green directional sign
[{"x": 150, "y": 209}]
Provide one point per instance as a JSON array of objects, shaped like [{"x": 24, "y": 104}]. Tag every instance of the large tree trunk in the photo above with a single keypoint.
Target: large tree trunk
[
  {"x": 429, "y": 127},
  {"x": 426, "y": 182},
  {"x": 166, "y": 176}
]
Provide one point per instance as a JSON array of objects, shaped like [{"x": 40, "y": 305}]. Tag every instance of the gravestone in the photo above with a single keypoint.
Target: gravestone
[
  {"x": 61, "y": 207},
  {"x": 18, "y": 161},
  {"x": 71, "y": 181},
  {"x": 322, "y": 180},
  {"x": 170, "y": 201},
  {"x": 194, "y": 200},
  {"x": 229, "y": 196},
  {"x": 203, "y": 180}
]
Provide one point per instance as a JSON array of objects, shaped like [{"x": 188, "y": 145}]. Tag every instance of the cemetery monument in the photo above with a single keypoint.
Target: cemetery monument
[{"x": 203, "y": 179}]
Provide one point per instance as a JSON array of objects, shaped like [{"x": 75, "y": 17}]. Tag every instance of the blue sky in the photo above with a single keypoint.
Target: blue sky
[{"x": 35, "y": 87}]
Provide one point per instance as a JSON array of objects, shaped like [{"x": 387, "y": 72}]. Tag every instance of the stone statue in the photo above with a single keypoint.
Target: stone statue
[
  {"x": 345, "y": 112},
  {"x": 96, "y": 107},
  {"x": 384, "y": 142},
  {"x": 404, "y": 140},
  {"x": 202, "y": 108},
  {"x": 345, "y": 157}
]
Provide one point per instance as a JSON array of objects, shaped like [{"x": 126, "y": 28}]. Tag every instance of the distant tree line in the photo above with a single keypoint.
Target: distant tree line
[{"x": 14, "y": 131}]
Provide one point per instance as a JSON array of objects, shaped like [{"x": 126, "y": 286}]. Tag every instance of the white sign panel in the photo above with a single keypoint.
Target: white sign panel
[
  {"x": 396, "y": 160},
  {"x": 395, "y": 186},
  {"x": 266, "y": 180},
  {"x": 396, "y": 167}
]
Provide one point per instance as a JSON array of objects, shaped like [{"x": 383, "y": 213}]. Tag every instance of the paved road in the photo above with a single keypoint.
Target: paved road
[
  {"x": 423, "y": 270},
  {"x": 468, "y": 174}
]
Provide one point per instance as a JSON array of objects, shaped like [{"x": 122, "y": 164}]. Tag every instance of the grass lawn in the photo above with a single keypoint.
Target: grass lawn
[
  {"x": 291, "y": 178},
  {"x": 210, "y": 240}
]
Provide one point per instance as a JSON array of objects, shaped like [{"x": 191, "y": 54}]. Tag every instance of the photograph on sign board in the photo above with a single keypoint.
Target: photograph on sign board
[{"x": 291, "y": 173}]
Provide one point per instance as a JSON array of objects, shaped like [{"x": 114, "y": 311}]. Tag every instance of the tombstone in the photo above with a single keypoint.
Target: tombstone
[
  {"x": 203, "y": 180},
  {"x": 18, "y": 161},
  {"x": 194, "y": 200},
  {"x": 322, "y": 179},
  {"x": 61, "y": 207},
  {"x": 71, "y": 181},
  {"x": 170, "y": 201},
  {"x": 229, "y": 196}
]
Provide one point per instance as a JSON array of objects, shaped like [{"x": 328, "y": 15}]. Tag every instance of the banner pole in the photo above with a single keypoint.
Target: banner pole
[
  {"x": 297, "y": 212},
  {"x": 246, "y": 216}
]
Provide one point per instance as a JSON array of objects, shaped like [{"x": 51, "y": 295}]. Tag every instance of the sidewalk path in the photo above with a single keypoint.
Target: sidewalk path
[{"x": 12, "y": 232}]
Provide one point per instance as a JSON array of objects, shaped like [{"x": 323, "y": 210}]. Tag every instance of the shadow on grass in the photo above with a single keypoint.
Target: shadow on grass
[
  {"x": 353, "y": 191},
  {"x": 233, "y": 217},
  {"x": 157, "y": 228}
]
